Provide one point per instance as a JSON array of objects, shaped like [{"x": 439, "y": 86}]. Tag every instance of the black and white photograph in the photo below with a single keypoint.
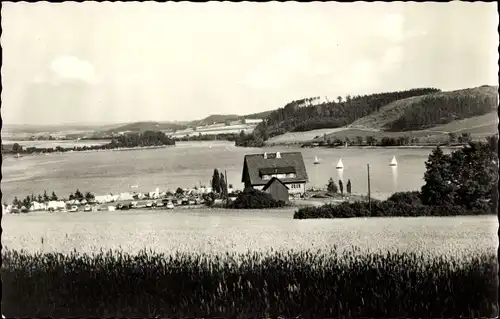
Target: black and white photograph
[{"x": 292, "y": 160}]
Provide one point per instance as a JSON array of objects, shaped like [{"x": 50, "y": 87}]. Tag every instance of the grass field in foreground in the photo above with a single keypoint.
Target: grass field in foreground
[{"x": 251, "y": 285}]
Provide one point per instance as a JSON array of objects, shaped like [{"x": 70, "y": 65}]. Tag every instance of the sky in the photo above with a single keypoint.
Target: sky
[{"x": 118, "y": 62}]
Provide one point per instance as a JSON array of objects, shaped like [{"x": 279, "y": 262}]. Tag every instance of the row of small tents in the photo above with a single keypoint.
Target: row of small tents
[{"x": 340, "y": 165}]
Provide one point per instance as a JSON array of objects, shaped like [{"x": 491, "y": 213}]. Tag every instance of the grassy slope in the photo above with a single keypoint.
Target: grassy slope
[{"x": 373, "y": 124}]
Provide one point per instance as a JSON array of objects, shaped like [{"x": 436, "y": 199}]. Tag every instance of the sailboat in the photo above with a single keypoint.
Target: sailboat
[
  {"x": 316, "y": 160},
  {"x": 393, "y": 162},
  {"x": 340, "y": 165}
]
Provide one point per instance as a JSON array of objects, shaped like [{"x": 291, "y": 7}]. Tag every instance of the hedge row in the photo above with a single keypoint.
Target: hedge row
[{"x": 398, "y": 205}]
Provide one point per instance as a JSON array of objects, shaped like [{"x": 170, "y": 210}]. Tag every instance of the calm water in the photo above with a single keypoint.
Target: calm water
[
  {"x": 228, "y": 230},
  {"x": 191, "y": 163}
]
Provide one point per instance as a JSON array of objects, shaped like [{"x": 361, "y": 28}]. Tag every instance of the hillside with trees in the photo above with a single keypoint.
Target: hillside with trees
[
  {"x": 305, "y": 114},
  {"x": 383, "y": 115},
  {"x": 445, "y": 107}
]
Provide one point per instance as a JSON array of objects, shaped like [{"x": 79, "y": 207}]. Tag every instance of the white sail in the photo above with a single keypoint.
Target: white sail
[
  {"x": 394, "y": 162},
  {"x": 316, "y": 160},
  {"x": 340, "y": 164}
]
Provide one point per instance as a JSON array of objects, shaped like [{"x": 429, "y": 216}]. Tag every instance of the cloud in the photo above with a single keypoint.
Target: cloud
[
  {"x": 282, "y": 67},
  {"x": 260, "y": 79},
  {"x": 67, "y": 67},
  {"x": 392, "y": 27},
  {"x": 393, "y": 56}
]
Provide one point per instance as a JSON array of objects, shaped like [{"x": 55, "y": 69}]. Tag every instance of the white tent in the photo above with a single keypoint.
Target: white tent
[
  {"x": 126, "y": 196},
  {"x": 54, "y": 204},
  {"x": 37, "y": 206}
]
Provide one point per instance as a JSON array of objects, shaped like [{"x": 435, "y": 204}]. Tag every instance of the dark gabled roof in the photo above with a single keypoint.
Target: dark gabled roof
[
  {"x": 254, "y": 163},
  {"x": 273, "y": 180}
]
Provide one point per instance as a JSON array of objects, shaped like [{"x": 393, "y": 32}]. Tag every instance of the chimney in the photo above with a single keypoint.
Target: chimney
[
  {"x": 265, "y": 155},
  {"x": 278, "y": 155}
]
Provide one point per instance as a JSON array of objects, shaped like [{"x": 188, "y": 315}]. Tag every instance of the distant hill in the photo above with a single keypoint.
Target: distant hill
[
  {"x": 219, "y": 118},
  {"x": 35, "y": 129},
  {"x": 215, "y": 119},
  {"x": 148, "y": 126},
  {"x": 177, "y": 126}
]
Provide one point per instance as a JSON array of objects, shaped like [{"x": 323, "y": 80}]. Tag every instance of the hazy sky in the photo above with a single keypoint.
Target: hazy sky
[{"x": 120, "y": 62}]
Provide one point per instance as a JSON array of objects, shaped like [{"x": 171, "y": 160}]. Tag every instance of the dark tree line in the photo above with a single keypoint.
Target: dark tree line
[
  {"x": 249, "y": 140},
  {"x": 147, "y": 138},
  {"x": 301, "y": 115},
  {"x": 438, "y": 109},
  {"x": 209, "y": 137}
]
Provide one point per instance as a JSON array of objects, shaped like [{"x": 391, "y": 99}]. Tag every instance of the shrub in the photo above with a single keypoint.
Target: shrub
[
  {"x": 331, "y": 187},
  {"x": 412, "y": 198},
  {"x": 386, "y": 208},
  {"x": 254, "y": 199},
  {"x": 252, "y": 285}
]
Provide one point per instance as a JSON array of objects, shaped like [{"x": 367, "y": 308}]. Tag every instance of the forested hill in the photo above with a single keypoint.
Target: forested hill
[
  {"x": 302, "y": 115},
  {"x": 444, "y": 107}
]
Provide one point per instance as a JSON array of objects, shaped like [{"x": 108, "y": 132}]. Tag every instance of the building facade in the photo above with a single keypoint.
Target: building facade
[{"x": 288, "y": 167}]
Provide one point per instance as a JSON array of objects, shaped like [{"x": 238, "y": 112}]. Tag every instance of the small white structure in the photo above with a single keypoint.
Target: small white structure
[
  {"x": 340, "y": 165},
  {"x": 56, "y": 205},
  {"x": 6, "y": 209},
  {"x": 73, "y": 202},
  {"x": 393, "y": 162},
  {"x": 316, "y": 160},
  {"x": 126, "y": 196},
  {"x": 35, "y": 206},
  {"x": 101, "y": 199}
]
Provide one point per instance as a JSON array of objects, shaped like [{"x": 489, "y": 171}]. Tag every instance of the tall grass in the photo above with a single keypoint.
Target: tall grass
[{"x": 251, "y": 285}]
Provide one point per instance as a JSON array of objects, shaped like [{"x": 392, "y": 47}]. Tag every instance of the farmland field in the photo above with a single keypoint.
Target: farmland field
[{"x": 212, "y": 231}]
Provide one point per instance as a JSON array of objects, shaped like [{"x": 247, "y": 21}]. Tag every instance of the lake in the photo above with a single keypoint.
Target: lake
[
  {"x": 192, "y": 163},
  {"x": 212, "y": 230}
]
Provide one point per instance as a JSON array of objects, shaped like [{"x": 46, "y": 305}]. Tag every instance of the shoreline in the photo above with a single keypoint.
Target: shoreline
[
  {"x": 89, "y": 151},
  {"x": 300, "y": 145}
]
